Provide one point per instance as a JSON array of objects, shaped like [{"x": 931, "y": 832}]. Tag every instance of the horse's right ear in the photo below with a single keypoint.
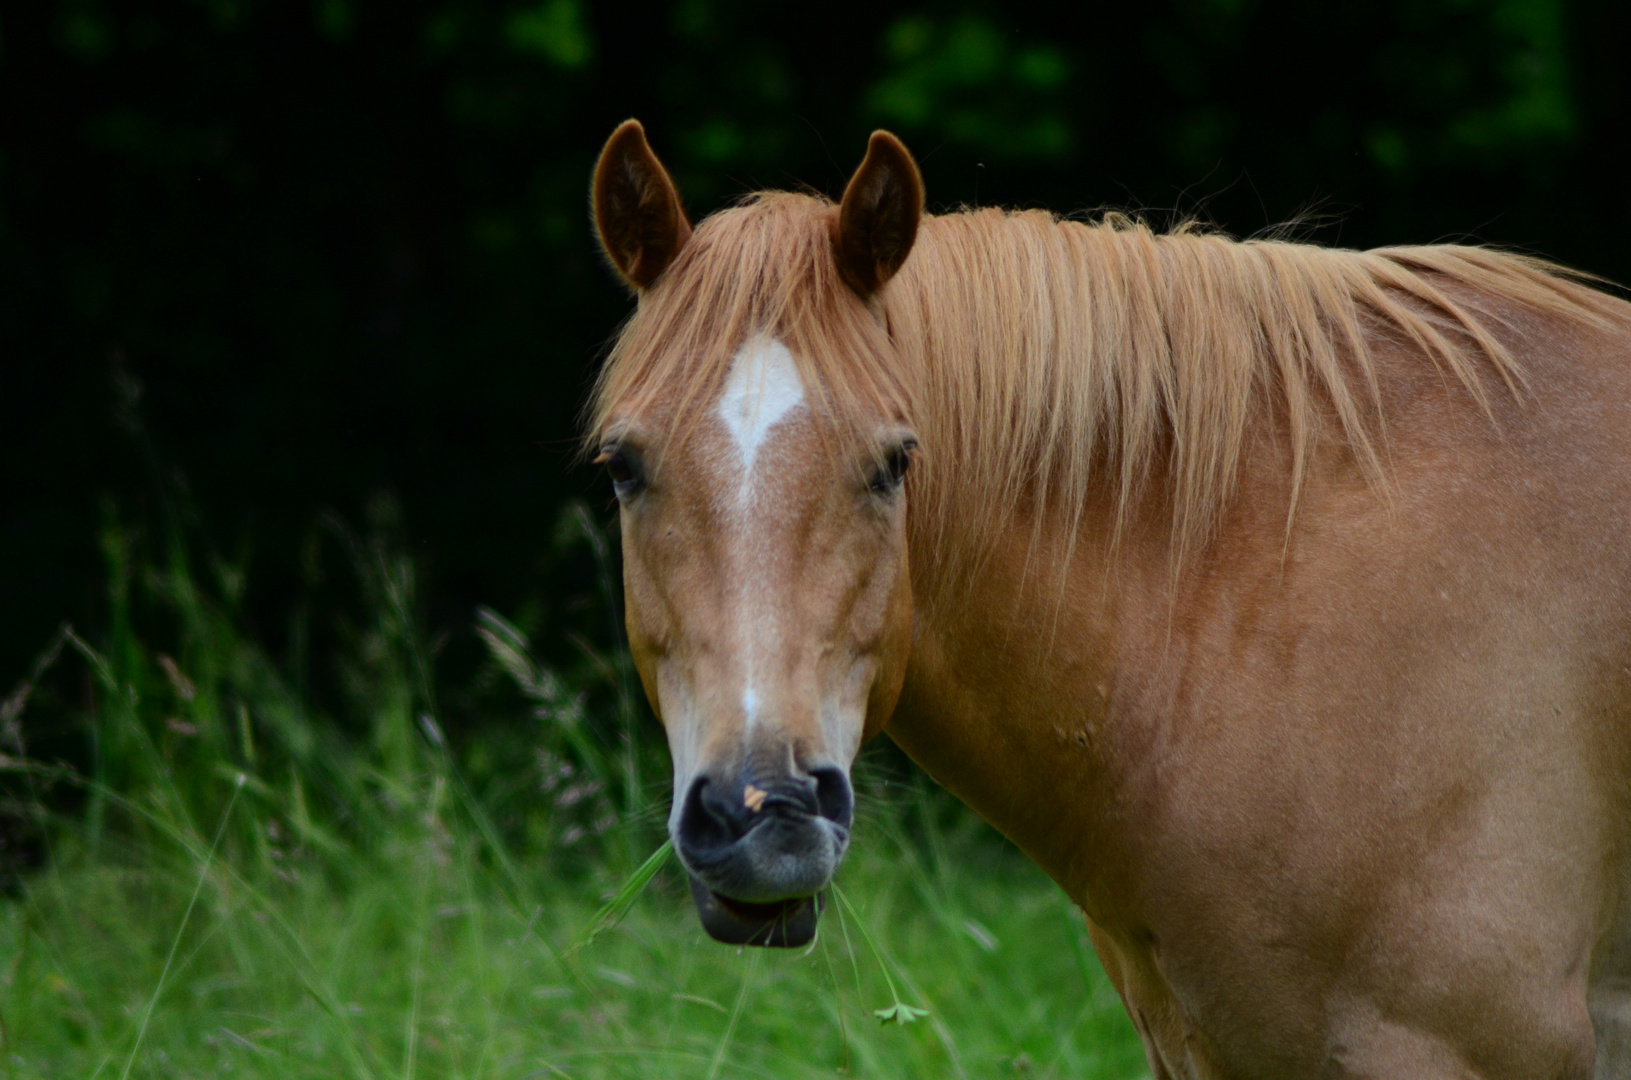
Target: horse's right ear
[
  {"x": 877, "y": 221},
  {"x": 637, "y": 209}
]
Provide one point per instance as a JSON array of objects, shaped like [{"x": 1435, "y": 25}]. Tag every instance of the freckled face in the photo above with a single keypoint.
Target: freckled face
[{"x": 768, "y": 602}]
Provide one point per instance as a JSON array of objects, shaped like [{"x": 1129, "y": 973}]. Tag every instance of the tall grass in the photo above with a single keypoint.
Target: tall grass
[{"x": 245, "y": 876}]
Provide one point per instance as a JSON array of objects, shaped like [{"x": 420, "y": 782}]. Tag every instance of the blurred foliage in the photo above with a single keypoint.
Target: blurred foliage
[
  {"x": 1497, "y": 90},
  {"x": 181, "y": 707},
  {"x": 964, "y": 80},
  {"x": 343, "y": 244},
  {"x": 554, "y": 30}
]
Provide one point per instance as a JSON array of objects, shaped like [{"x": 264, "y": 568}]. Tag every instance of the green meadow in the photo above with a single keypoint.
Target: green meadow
[{"x": 235, "y": 874}]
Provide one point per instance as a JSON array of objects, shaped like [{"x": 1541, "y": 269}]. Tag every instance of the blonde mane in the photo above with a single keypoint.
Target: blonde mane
[{"x": 1038, "y": 357}]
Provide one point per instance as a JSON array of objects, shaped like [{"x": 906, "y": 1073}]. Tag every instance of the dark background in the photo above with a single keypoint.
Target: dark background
[{"x": 306, "y": 255}]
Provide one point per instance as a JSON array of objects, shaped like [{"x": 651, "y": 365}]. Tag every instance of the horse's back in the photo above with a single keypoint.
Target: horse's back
[
  {"x": 1524, "y": 593},
  {"x": 1533, "y": 527},
  {"x": 1421, "y": 700},
  {"x": 1583, "y": 446}
]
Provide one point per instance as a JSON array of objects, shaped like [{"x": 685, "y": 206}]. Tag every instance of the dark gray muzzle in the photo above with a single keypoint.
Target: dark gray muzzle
[{"x": 760, "y": 850}]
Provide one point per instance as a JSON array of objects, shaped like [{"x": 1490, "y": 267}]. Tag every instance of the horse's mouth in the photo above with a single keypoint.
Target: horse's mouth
[{"x": 785, "y": 924}]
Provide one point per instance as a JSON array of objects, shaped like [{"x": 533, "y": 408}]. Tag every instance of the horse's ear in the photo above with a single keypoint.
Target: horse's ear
[
  {"x": 877, "y": 221},
  {"x": 637, "y": 209}
]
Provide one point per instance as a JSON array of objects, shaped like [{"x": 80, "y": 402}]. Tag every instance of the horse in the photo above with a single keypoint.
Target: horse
[{"x": 1275, "y": 599}]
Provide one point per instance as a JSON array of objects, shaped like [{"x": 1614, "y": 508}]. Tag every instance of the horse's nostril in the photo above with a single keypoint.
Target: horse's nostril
[
  {"x": 709, "y": 819},
  {"x": 834, "y": 797}
]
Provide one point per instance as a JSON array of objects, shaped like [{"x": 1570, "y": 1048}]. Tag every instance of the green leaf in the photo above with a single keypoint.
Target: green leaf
[{"x": 900, "y": 1013}]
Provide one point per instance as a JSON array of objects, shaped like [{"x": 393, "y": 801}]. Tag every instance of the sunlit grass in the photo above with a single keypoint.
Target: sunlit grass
[{"x": 424, "y": 965}]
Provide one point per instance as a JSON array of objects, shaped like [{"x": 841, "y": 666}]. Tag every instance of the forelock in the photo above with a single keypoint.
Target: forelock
[{"x": 762, "y": 267}]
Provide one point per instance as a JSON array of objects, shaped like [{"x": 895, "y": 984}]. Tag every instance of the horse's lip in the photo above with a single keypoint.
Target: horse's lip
[{"x": 783, "y": 924}]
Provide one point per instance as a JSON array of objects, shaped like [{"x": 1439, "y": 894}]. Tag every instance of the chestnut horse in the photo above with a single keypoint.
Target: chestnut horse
[{"x": 1275, "y": 599}]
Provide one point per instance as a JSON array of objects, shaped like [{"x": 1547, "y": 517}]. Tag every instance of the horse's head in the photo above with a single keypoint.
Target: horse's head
[{"x": 758, "y": 443}]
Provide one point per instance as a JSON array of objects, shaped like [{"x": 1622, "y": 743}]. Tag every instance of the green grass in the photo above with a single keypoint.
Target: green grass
[{"x": 241, "y": 885}]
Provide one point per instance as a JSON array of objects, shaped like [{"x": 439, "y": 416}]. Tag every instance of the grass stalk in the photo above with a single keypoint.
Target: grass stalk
[
  {"x": 175, "y": 942},
  {"x": 613, "y": 911},
  {"x": 749, "y": 971}
]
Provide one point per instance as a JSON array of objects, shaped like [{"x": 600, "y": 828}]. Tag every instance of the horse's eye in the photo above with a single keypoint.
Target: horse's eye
[
  {"x": 893, "y": 468},
  {"x": 622, "y": 468}
]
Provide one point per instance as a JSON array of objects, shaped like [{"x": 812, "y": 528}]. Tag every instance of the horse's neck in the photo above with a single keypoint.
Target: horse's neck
[{"x": 1006, "y": 694}]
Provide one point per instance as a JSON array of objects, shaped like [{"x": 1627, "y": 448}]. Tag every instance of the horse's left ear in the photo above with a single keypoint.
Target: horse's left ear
[
  {"x": 637, "y": 208},
  {"x": 877, "y": 221}
]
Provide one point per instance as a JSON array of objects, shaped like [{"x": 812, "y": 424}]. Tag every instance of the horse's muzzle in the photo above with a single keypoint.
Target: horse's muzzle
[
  {"x": 786, "y": 924},
  {"x": 759, "y": 852}
]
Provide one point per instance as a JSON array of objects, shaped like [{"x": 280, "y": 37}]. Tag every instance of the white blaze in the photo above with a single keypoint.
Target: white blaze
[
  {"x": 762, "y": 390},
  {"x": 763, "y": 387}
]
